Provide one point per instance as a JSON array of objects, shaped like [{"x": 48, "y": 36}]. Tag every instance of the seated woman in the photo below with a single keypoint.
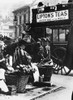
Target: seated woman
[
  {"x": 24, "y": 59},
  {"x": 3, "y": 87}
]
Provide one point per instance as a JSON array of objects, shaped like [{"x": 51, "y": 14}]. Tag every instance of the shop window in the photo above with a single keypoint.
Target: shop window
[
  {"x": 55, "y": 35},
  {"x": 62, "y": 35}
]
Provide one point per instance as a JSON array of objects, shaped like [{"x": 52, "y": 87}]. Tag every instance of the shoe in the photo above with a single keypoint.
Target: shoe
[{"x": 6, "y": 93}]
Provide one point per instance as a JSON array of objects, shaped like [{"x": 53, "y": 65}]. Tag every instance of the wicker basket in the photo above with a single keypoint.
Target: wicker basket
[{"x": 20, "y": 81}]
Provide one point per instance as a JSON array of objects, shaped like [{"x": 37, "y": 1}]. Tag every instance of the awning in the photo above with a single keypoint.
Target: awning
[{"x": 51, "y": 23}]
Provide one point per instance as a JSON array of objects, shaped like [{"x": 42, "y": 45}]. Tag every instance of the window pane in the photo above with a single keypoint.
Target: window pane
[
  {"x": 22, "y": 28},
  {"x": 22, "y": 19},
  {"x": 17, "y": 31},
  {"x": 26, "y": 17},
  {"x": 67, "y": 33},
  {"x": 18, "y": 20},
  {"x": 62, "y": 35},
  {"x": 55, "y": 35}
]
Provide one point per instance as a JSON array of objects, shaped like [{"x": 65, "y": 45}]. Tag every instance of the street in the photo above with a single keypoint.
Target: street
[
  {"x": 36, "y": 38},
  {"x": 62, "y": 90},
  {"x": 64, "y": 94}
]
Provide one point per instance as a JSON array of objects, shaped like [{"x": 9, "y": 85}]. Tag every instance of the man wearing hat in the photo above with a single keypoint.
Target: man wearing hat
[{"x": 26, "y": 37}]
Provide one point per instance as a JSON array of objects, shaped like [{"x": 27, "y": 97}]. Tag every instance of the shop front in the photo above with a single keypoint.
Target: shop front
[{"x": 53, "y": 22}]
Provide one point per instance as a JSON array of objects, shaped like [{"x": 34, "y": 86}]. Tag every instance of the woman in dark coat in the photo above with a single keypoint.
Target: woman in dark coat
[{"x": 69, "y": 53}]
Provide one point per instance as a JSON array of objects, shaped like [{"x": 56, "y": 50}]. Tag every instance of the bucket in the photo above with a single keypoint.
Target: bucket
[{"x": 46, "y": 71}]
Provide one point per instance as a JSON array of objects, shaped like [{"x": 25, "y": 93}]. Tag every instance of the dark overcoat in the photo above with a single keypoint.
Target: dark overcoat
[{"x": 68, "y": 61}]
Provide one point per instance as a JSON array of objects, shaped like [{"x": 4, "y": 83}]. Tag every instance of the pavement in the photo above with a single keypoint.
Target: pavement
[
  {"x": 64, "y": 94},
  {"x": 34, "y": 92}
]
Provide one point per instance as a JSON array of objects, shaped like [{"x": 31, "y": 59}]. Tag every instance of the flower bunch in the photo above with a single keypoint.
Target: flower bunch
[{"x": 26, "y": 69}]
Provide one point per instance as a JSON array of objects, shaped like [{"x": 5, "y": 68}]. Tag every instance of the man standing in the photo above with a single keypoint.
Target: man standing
[{"x": 68, "y": 61}]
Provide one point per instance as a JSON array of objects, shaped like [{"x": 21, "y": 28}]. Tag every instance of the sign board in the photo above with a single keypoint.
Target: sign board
[{"x": 52, "y": 16}]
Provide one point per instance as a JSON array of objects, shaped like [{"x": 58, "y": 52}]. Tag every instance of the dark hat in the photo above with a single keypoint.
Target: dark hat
[{"x": 40, "y": 4}]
